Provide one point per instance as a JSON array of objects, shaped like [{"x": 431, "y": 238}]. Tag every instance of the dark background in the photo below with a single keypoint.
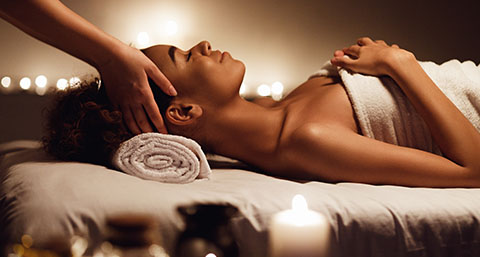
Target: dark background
[{"x": 278, "y": 40}]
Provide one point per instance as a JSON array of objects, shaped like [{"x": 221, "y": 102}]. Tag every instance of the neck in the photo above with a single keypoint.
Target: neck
[{"x": 245, "y": 131}]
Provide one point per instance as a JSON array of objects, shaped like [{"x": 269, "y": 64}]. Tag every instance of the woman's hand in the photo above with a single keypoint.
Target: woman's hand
[
  {"x": 370, "y": 57},
  {"x": 125, "y": 76}
]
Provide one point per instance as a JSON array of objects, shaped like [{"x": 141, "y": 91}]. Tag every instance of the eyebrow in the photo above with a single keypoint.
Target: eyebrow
[{"x": 171, "y": 53}]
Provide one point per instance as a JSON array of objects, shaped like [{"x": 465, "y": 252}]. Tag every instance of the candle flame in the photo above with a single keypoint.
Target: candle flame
[{"x": 299, "y": 203}]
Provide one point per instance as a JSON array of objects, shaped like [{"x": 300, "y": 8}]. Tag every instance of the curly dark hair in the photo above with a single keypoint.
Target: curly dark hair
[{"x": 81, "y": 124}]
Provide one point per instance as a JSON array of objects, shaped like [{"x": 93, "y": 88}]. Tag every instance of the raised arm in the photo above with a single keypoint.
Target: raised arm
[
  {"x": 123, "y": 69},
  {"x": 340, "y": 155}
]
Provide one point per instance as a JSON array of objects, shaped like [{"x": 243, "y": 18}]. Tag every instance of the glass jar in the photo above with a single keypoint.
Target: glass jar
[
  {"x": 207, "y": 231},
  {"x": 131, "y": 235}
]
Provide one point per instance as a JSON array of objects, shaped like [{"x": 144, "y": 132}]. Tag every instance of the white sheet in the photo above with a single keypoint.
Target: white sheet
[{"x": 43, "y": 198}]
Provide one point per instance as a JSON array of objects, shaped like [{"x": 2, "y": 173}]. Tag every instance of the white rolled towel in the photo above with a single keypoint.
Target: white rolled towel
[{"x": 163, "y": 158}]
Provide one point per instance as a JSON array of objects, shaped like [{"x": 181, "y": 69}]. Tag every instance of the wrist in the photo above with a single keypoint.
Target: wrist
[
  {"x": 108, "y": 54},
  {"x": 397, "y": 60}
]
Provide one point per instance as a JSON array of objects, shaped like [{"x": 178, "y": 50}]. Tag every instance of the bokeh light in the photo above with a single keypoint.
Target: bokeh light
[
  {"x": 78, "y": 246},
  {"x": 27, "y": 241},
  {"x": 6, "y": 81},
  {"x": 74, "y": 81},
  {"x": 40, "y": 90},
  {"x": 264, "y": 90},
  {"x": 62, "y": 84},
  {"x": 277, "y": 88},
  {"x": 157, "y": 251},
  {"x": 171, "y": 28},
  {"x": 25, "y": 83},
  {"x": 243, "y": 89},
  {"x": 143, "y": 39},
  {"x": 41, "y": 81},
  {"x": 106, "y": 247},
  {"x": 18, "y": 249}
]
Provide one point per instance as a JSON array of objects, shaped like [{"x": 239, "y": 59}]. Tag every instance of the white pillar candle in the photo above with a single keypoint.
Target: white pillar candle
[{"x": 298, "y": 232}]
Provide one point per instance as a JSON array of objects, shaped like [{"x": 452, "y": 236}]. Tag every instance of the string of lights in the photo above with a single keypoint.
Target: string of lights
[{"x": 41, "y": 85}]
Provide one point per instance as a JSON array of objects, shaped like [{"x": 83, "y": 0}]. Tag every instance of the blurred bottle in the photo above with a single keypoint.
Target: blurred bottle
[
  {"x": 207, "y": 232},
  {"x": 131, "y": 235}
]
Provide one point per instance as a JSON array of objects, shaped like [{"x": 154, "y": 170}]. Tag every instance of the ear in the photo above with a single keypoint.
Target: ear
[{"x": 183, "y": 114}]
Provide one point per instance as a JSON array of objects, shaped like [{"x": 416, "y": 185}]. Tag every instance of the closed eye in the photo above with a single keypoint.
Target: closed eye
[{"x": 189, "y": 55}]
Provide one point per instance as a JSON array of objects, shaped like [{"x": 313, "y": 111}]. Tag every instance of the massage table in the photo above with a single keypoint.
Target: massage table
[{"x": 47, "y": 198}]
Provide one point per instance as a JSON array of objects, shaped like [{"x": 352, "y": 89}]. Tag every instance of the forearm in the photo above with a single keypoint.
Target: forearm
[
  {"x": 52, "y": 22},
  {"x": 455, "y": 135}
]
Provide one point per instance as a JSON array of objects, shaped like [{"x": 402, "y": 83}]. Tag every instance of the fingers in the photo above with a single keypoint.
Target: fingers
[
  {"x": 367, "y": 41},
  {"x": 381, "y": 42},
  {"x": 364, "y": 41},
  {"x": 338, "y": 53},
  {"x": 153, "y": 112},
  {"x": 353, "y": 50},
  {"x": 134, "y": 115},
  {"x": 362, "y": 54},
  {"x": 137, "y": 121},
  {"x": 343, "y": 62},
  {"x": 129, "y": 120},
  {"x": 157, "y": 76},
  {"x": 149, "y": 106},
  {"x": 141, "y": 118},
  {"x": 126, "y": 81},
  {"x": 340, "y": 57}
]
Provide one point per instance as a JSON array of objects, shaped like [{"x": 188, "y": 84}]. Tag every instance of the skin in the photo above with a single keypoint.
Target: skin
[
  {"x": 312, "y": 133},
  {"x": 124, "y": 70}
]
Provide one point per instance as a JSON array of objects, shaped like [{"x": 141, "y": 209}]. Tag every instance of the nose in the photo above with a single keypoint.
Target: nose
[{"x": 204, "y": 48}]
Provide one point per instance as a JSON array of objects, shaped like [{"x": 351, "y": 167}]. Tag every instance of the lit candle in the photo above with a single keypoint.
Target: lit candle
[{"x": 298, "y": 232}]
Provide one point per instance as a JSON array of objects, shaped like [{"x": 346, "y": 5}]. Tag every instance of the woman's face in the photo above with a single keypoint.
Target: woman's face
[{"x": 199, "y": 73}]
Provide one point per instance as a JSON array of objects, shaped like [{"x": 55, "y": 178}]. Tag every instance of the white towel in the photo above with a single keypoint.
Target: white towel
[
  {"x": 385, "y": 113},
  {"x": 163, "y": 158}
]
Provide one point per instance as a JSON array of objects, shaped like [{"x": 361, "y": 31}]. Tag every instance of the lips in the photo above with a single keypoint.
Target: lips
[{"x": 224, "y": 54}]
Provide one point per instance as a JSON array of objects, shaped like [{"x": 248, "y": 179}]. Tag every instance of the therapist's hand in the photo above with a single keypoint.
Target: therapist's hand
[
  {"x": 125, "y": 77},
  {"x": 123, "y": 69}
]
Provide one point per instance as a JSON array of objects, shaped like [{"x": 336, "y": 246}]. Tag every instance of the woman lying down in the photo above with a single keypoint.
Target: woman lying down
[{"x": 394, "y": 127}]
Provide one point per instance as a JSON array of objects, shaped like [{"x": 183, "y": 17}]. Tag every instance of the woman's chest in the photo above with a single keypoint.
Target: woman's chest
[{"x": 320, "y": 101}]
